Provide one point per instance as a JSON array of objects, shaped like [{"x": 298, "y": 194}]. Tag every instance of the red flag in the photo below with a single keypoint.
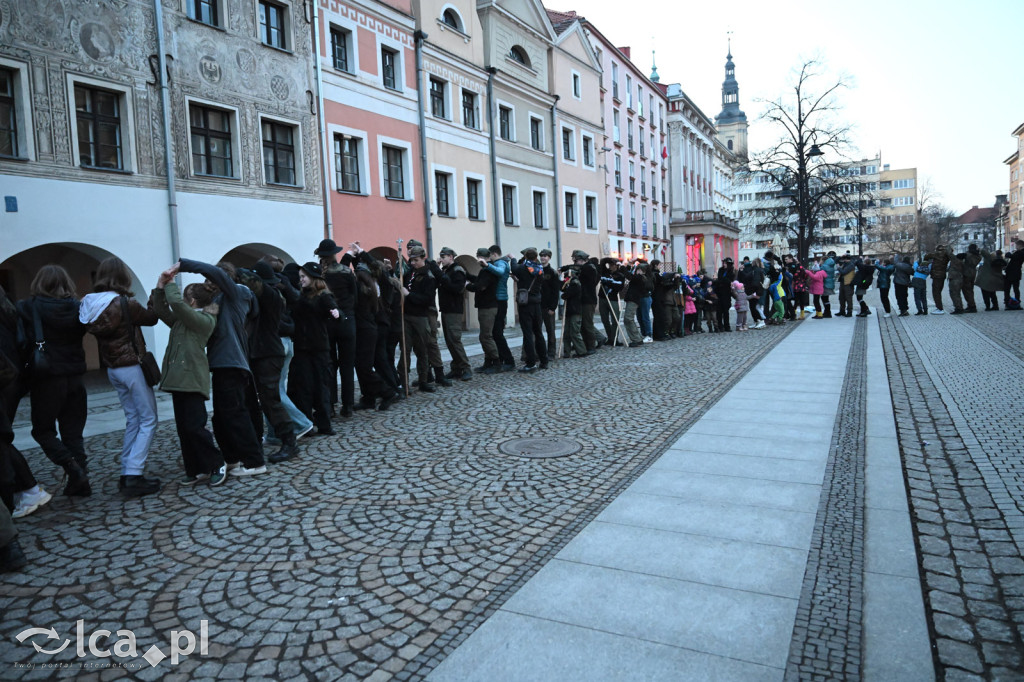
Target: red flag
[{"x": 664, "y": 152}]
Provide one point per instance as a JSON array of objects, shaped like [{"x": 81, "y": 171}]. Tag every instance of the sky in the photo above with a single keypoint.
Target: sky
[{"x": 935, "y": 86}]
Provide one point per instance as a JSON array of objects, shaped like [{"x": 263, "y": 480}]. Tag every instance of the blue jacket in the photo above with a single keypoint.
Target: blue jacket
[
  {"x": 228, "y": 348},
  {"x": 921, "y": 270},
  {"x": 501, "y": 268},
  {"x": 829, "y": 266},
  {"x": 884, "y": 273}
]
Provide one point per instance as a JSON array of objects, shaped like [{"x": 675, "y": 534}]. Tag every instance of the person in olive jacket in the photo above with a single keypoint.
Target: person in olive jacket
[
  {"x": 940, "y": 263},
  {"x": 990, "y": 277},
  {"x": 185, "y": 372}
]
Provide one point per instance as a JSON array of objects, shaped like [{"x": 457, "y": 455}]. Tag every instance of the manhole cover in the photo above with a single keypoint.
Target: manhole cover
[{"x": 540, "y": 447}]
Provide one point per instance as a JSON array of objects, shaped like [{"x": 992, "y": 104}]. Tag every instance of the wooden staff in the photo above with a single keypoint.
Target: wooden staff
[
  {"x": 401, "y": 282},
  {"x": 618, "y": 327}
]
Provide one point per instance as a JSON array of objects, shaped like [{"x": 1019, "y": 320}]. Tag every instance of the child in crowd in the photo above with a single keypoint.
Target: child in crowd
[
  {"x": 742, "y": 306},
  {"x": 777, "y": 291}
]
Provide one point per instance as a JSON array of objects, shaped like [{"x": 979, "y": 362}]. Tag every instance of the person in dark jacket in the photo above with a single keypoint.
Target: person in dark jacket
[
  {"x": 309, "y": 383},
  {"x": 612, "y": 282},
  {"x": 228, "y": 354},
  {"x": 885, "y": 272},
  {"x": 572, "y": 295},
  {"x": 1011, "y": 280},
  {"x": 633, "y": 292},
  {"x": 420, "y": 289},
  {"x": 59, "y": 402},
  {"x": 902, "y": 275},
  {"x": 990, "y": 277},
  {"x": 971, "y": 260},
  {"x": 550, "y": 290},
  {"x": 955, "y": 278},
  {"x": 723, "y": 290},
  {"x": 485, "y": 286},
  {"x": 528, "y": 273},
  {"x": 862, "y": 282},
  {"x": 451, "y": 295},
  {"x": 939, "y": 264},
  {"x": 114, "y": 318},
  {"x": 341, "y": 282},
  {"x": 588, "y": 291}
]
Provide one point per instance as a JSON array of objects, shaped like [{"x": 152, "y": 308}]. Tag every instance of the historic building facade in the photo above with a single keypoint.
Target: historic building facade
[
  {"x": 85, "y": 154},
  {"x": 1012, "y": 221}
]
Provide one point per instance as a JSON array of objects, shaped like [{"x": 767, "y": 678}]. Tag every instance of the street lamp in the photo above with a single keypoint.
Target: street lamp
[{"x": 860, "y": 220}]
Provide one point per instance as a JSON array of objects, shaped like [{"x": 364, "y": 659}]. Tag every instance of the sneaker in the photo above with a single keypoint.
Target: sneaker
[
  {"x": 219, "y": 476},
  {"x": 138, "y": 486},
  {"x": 887, "y": 315},
  {"x": 243, "y": 471},
  {"x": 938, "y": 312},
  {"x": 760, "y": 325},
  {"x": 231, "y": 466},
  {"x": 267, "y": 440},
  {"x": 304, "y": 432},
  {"x": 648, "y": 339},
  {"x": 526, "y": 369},
  {"x": 635, "y": 344},
  {"x": 30, "y": 501},
  {"x": 192, "y": 480}
]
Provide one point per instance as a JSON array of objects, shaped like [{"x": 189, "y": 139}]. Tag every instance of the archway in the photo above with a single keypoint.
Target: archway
[
  {"x": 387, "y": 253},
  {"x": 246, "y": 255},
  {"x": 81, "y": 261}
]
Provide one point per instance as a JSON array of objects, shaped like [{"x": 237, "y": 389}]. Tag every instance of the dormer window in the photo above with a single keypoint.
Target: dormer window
[
  {"x": 518, "y": 54},
  {"x": 451, "y": 18}
]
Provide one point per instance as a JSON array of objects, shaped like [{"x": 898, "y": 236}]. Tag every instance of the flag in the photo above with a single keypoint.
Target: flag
[{"x": 664, "y": 152}]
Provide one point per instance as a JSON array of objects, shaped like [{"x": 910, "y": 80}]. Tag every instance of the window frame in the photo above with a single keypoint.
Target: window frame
[
  {"x": 386, "y": 52},
  {"x": 511, "y": 123},
  {"x": 127, "y": 130},
  {"x": 474, "y": 123},
  {"x": 539, "y": 193},
  {"x": 481, "y": 196},
  {"x": 509, "y": 204},
  {"x": 459, "y": 24},
  {"x": 568, "y": 144},
  {"x": 351, "y": 54},
  {"x": 23, "y": 145},
  {"x": 577, "y": 85},
  {"x": 435, "y": 100},
  {"x": 296, "y": 150},
  {"x": 571, "y": 218},
  {"x": 216, "y": 10},
  {"x": 591, "y": 212},
  {"x": 263, "y": 27},
  {"x": 408, "y": 172},
  {"x": 233, "y": 137},
  {"x": 539, "y": 120},
  {"x": 589, "y": 159},
  {"x": 451, "y": 190}
]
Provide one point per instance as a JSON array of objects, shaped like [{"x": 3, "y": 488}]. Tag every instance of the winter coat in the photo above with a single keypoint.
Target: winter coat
[
  {"x": 311, "y": 314},
  {"x": 829, "y": 266},
  {"x": 62, "y": 332},
  {"x": 990, "y": 273},
  {"x": 588, "y": 284},
  {"x": 689, "y": 306},
  {"x": 865, "y": 275},
  {"x": 451, "y": 283},
  {"x": 228, "y": 347},
  {"x": 422, "y": 287},
  {"x": 114, "y": 334},
  {"x": 572, "y": 294},
  {"x": 550, "y": 288},
  {"x": 816, "y": 282},
  {"x": 342, "y": 282},
  {"x": 884, "y": 275},
  {"x": 636, "y": 288},
  {"x": 940, "y": 261},
  {"x": 266, "y": 339},
  {"x": 527, "y": 275},
  {"x": 800, "y": 283},
  {"x": 485, "y": 286},
  {"x": 1014, "y": 263},
  {"x": 501, "y": 269},
  {"x": 904, "y": 272},
  {"x": 741, "y": 304},
  {"x": 185, "y": 368},
  {"x": 971, "y": 261}
]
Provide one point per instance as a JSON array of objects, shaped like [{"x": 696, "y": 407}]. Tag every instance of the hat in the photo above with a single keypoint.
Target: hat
[
  {"x": 417, "y": 252},
  {"x": 265, "y": 272},
  {"x": 327, "y": 248},
  {"x": 483, "y": 252},
  {"x": 545, "y": 252},
  {"x": 313, "y": 269},
  {"x": 413, "y": 244},
  {"x": 447, "y": 251},
  {"x": 579, "y": 254}
]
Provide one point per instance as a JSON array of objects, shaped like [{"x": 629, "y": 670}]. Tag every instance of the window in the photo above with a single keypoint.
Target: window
[
  {"x": 632, "y": 177},
  {"x": 451, "y": 18},
  {"x": 629, "y": 134},
  {"x": 588, "y": 151},
  {"x": 903, "y": 184},
  {"x": 629, "y": 92},
  {"x": 473, "y": 199},
  {"x": 505, "y": 122},
  {"x": 615, "y": 80},
  {"x": 272, "y": 25},
  {"x": 211, "y": 141},
  {"x": 903, "y": 201},
  {"x": 885, "y": 184},
  {"x": 576, "y": 88},
  {"x": 206, "y": 11},
  {"x": 8, "y": 115},
  {"x": 346, "y": 163},
  {"x": 518, "y": 55},
  {"x": 340, "y": 45},
  {"x": 590, "y": 211},
  {"x": 469, "y": 109},
  {"x": 394, "y": 172},
  {"x": 437, "y": 98},
  {"x": 640, "y": 100},
  {"x": 568, "y": 152},
  {"x": 537, "y": 133},
  {"x": 279, "y": 153},
  {"x": 508, "y": 204},
  {"x": 618, "y": 171},
  {"x": 618, "y": 214},
  {"x": 632, "y": 217},
  {"x": 441, "y": 193},
  {"x": 98, "y": 118},
  {"x": 570, "y": 210},
  {"x": 388, "y": 67},
  {"x": 539, "y": 209},
  {"x": 616, "y": 136}
]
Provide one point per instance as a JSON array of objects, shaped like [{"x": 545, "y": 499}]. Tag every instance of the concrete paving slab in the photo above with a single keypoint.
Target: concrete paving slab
[
  {"x": 750, "y": 566},
  {"x": 767, "y": 468},
  {"x": 758, "y": 430},
  {"x": 725, "y": 622},
  {"x": 889, "y": 544},
  {"x": 885, "y": 488},
  {"x": 896, "y": 641},
  {"x": 731, "y": 489},
  {"x": 511, "y": 647},
  {"x": 753, "y": 447}
]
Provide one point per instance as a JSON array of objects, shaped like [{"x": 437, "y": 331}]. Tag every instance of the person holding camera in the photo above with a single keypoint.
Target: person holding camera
[
  {"x": 550, "y": 288},
  {"x": 572, "y": 294},
  {"x": 528, "y": 299}
]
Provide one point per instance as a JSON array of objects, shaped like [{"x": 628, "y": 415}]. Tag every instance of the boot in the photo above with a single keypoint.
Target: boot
[
  {"x": 828, "y": 311},
  {"x": 78, "y": 482},
  {"x": 137, "y": 486},
  {"x": 11, "y": 557},
  {"x": 864, "y": 312},
  {"x": 440, "y": 378},
  {"x": 287, "y": 451},
  {"x": 817, "y": 316},
  {"x": 803, "y": 313}
]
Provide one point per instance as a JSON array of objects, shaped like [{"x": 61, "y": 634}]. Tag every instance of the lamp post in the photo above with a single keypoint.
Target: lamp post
[
  {"x": 802, "y": 195},
  {"x": 860, "y": 220}
]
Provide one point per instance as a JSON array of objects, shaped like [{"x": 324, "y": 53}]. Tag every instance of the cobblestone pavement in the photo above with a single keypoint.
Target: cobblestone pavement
[
  {"x": 377, "y": 551},
  {"x": 957, "y": 384}
]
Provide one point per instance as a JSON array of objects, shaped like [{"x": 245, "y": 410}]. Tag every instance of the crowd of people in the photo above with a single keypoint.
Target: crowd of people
[{"x": 273, "y": 342}]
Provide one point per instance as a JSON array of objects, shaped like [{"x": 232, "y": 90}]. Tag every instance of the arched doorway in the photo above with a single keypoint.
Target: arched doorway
[
  {"x": 81, "y": 261},
  {"x": 387, "y": 253},
  {"x": 246, "y": 255}
]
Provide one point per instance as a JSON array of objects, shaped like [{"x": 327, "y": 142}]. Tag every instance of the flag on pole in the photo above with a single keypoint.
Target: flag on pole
[{"x": 664, "y": 152}]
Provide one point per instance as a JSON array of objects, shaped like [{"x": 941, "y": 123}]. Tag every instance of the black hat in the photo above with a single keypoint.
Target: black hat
[
  {"x": 483, "y": 252},
  {"x": 313, "y": 269},
  {"x": 327, "y": 248},
  {"x": 448, "y": 251},
  {"x": 546, "y": 252},
  {"x": 265, "y": 272}
]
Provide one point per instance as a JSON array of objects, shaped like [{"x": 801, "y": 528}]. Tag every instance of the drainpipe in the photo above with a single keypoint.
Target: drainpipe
[
  {"x": 165, "y": 103},
  {"x": 495, "y": 198},
  {"x": 420, "y": 36},
  {"x": 325, "y": 145},
  {"x": 554, "y": 159}
]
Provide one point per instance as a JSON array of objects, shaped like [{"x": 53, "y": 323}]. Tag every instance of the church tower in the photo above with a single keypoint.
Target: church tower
[{"x": 731, "y": 122}]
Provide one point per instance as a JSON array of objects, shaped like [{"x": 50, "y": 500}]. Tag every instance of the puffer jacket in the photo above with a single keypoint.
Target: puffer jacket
[
  {"x": 884, "y": 275},
  {"x": 816, "y": 282},
  {"x": 990, "y": 272},
  {"x": 62, "y": 332},
  {"x": 829, "y": 266},
  {"x": 940, "y": 261},
  {"x": 112, "y": 332},
  {"x": 904, "y": 273},
  {"x": 185, "y": 368}
]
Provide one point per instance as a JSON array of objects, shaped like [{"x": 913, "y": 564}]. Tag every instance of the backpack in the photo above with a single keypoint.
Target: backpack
[{"x": 1013, "y": 304}]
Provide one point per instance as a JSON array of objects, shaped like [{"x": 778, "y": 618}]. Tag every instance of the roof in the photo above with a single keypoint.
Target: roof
[
  {"x": 561, "y": 20},
  {"x": 977, "y": 216}
]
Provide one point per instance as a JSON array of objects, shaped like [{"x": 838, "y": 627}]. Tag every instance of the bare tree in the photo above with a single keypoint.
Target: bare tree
[{"x": 806, "y": 159}]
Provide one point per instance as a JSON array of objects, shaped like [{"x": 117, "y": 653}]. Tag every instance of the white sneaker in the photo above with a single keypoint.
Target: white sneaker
[
  {"x": 938, "y": 312},
  {"x": 648, "y": 339},
  {"x": 231, "y": 466},
  {"x": 760, "y": 325},
  {"x": 29, "y": 501},
  {"x": 887, "y": 315},
  {"x": 304, "y": 432},
  {"x": 242, "y": 471}
]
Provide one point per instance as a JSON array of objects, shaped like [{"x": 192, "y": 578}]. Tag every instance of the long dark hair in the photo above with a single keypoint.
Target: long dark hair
[
  {"x": 114, "y": 275},
  {"x": 52, "y": 281},
  {"x": 367, "y": 288}
]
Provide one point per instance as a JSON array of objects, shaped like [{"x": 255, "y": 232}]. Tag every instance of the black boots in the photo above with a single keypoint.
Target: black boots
[
  {"x": 828, "y": 311},
  {"x": 11, "y": 557},
  {"x": 287, "y": 451},
  {"x": 78, "y": 482},
  {"x": 864, "y": 312},
  {"x": 137, "y": 486},
  {"x": 440, "y": 378}
]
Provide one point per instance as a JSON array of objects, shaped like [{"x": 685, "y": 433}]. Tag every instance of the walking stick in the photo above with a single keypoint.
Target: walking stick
[
  {"x": 405, "y": 354},
  {"x": 618, "y": 327}
]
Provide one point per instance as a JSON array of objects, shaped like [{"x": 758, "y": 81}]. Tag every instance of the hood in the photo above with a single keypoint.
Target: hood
[{"x": 93, "y": 306}]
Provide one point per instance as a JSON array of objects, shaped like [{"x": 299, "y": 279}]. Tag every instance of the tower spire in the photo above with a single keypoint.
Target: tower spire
[{"x": 654, "y": 70}]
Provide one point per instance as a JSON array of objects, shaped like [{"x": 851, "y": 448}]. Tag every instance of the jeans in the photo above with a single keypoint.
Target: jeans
[
  {"x": 198, "y": 450},
  {"x": 59, "y": 402},
  {"x": 299, "y": 421},
  {"x": 232, "y": 425},
  {"x": 920, "y": 295},
  {"x": 645, "y": 316},
  {"x": 504, "y": 354},
  {"x": 901, "y": 297},
  {"x": 139, "y": 404}
]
